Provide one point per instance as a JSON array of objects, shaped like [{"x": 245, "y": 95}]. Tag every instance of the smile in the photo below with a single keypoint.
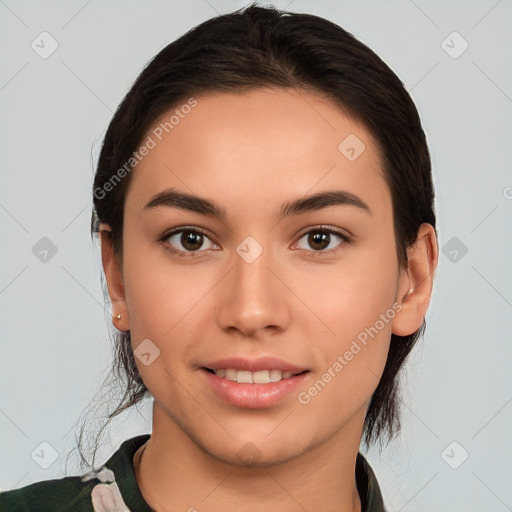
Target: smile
[
  {"x": 248, "y": 377},
  {"x": 253, "y": 390}
]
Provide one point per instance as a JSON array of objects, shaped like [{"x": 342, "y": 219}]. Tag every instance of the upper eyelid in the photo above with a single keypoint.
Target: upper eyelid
[
  {"x": 174, "y": 231},
  {"x": 325, "y": 227}
]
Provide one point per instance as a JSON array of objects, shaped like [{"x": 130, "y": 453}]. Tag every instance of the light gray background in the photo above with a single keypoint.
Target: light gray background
[{"x": 55, "y": 345}]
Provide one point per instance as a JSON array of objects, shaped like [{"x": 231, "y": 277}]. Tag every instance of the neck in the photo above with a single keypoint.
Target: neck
[{"x": 173, "y": 473}]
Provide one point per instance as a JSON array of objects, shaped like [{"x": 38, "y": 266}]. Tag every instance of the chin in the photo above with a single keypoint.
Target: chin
[{"x": 249, "y": 456}]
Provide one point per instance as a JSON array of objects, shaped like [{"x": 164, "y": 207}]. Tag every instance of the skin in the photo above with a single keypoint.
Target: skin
[{"x": 250, "y": 153}]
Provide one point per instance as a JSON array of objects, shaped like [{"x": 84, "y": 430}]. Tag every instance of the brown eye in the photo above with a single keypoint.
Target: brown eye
[
  {"x": 186, "y": 242},
  {"x": 320, "y": 239},
  {"x": 191, "y": 240}
]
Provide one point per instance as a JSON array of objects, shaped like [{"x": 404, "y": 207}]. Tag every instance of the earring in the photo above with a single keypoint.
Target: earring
[{"x": 118, "y": 317}]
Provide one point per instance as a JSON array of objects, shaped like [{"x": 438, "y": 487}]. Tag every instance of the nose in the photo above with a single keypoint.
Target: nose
[{"x": 253, "y": 299}]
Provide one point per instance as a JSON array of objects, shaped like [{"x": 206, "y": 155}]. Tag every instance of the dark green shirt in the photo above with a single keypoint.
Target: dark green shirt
[{"x": 115, "y": 483}]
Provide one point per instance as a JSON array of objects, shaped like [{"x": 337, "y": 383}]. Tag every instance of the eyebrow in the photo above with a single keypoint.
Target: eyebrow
[{"x": 175, "y": 199}]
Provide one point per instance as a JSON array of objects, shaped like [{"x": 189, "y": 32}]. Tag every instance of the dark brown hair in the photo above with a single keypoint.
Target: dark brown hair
[{"x": 265, "y": 47}]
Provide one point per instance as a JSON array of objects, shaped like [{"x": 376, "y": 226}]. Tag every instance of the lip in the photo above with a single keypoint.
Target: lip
[
  {"x": 253, "y": 396},
  {"x": 254, "y": 365}
]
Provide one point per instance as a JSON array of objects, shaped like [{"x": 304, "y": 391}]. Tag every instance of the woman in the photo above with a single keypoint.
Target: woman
[{"x": 264, "y": 204}]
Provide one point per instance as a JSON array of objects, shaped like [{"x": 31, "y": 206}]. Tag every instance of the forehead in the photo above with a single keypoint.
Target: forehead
[{"x": 265, "y": 146}]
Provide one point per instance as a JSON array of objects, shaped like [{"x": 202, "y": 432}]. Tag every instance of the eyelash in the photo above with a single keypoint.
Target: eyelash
[{"x": 193, "y": 254}]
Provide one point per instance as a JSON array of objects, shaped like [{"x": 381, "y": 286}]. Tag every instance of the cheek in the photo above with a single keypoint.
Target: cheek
[
  {"x": 161, "y": 306},
  {"x": 350, "y": 296},
  {"x": 160, "y": 294},
  {"x": 166, "y": 305},
  {"x": 352, "y": 354},
  {"x": 356, "y": 305}
]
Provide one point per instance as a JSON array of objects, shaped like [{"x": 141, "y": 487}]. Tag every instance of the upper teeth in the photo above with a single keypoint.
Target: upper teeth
[{"x": 261, "y": 377}]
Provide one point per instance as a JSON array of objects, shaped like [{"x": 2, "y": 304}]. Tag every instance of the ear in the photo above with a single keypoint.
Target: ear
[
  {"x": 416, "y": 282},
  {"x": 114, "y": 277}
]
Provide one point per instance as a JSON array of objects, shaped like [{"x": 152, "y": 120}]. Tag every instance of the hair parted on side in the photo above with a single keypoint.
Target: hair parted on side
[{"x": 264, "y": 47}]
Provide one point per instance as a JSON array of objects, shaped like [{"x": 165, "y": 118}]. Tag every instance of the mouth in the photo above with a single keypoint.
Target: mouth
[
  {"x": 258, "y": 377},
  {"x": 253, "y": 383}
]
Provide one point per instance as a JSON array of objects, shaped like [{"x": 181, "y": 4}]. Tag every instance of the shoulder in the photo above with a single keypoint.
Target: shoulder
[
  {"x": 111, "y": 487},
  {"x": 62, "y": 495}
]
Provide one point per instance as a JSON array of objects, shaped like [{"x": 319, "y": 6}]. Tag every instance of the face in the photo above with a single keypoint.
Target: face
[{"x": 304, "y": 296}]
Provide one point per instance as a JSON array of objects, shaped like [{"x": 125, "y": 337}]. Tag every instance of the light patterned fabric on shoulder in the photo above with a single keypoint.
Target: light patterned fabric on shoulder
[{"x": 106, "y": 496}]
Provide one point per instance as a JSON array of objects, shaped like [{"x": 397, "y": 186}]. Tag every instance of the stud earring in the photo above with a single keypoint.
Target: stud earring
[{"x": 118, "y": 317}]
